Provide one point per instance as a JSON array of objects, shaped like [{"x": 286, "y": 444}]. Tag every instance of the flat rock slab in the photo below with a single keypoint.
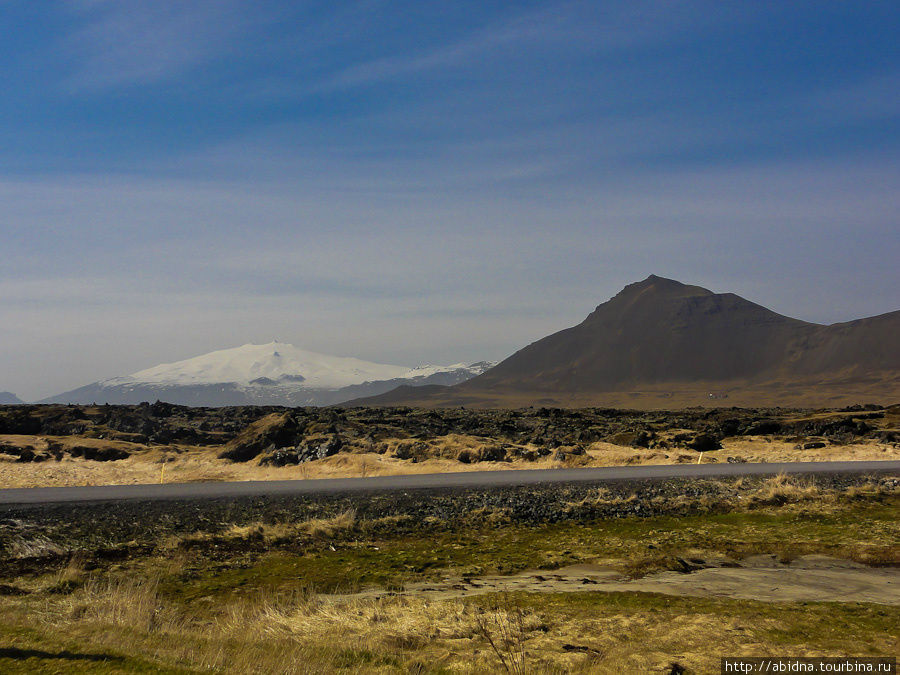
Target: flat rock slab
[
  {"x": 880, "y": 586},
  {"x": 764, "y": 578}
]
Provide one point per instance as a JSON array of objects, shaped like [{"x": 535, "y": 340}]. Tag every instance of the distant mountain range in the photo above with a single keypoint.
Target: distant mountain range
[
  {"x": 660, "y": 343},
  {"x": 271, "y": 374},
  {"x": 9, "y": 398}
]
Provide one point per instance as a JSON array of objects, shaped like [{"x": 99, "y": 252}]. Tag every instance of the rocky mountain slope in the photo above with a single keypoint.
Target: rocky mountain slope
[
  {"x": 661, "y": 343},
  {"x": 9, "y": 398},
  {"x": 271, "y": 374}
]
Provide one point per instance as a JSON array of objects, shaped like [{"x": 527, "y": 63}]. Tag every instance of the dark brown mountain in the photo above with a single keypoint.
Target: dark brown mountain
[{"x": 661, "y": 343}]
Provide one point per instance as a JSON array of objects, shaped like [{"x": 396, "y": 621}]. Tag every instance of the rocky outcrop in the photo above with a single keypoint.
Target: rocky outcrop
[
  {"x": 279, "y": 436},
  {"x": 276, "y": 430},
  {"x": 299, "y": 454}
]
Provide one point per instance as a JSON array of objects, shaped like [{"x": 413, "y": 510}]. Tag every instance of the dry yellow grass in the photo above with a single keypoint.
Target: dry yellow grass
[
  {"x": 171, "y": 612},
  {"x": 319, "y": 528},
  {"x": 326, "y": 527},
  {"x": 42, "y": 443},
  {"x": 782, "y": 489},
  {"x": 303, "y": 633},
  {"x": 129, "y": 615},
  {"x": 185, "y": 464}
]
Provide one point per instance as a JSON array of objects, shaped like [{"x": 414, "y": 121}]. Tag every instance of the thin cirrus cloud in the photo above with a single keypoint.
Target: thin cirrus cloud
[
  {"x": 538, "y": 27},
  {"x": 529, "y": 34},
  {"x": 132, "y": 42}
]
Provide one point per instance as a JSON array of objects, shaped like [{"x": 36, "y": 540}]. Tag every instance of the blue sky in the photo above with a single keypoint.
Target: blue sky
[{"x": 411, "y": 182}]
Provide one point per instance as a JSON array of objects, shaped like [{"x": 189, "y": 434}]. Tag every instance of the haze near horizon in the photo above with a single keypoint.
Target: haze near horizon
[{"x": 410, "y": 184}]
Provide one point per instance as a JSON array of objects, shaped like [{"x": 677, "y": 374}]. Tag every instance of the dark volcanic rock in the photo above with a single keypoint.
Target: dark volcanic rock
[
  {"x": 19, "y": 421},
  {"x": 705, "y": 443},
  {"x": 763, "y": 428},
  {"x": 273, "y": 430},
  {"x": 492, "y": 453},
  {"x": 300, "y": 435},
  {"x": 330, "y": 447},
  {"x": 888, "y": 436},
  {"x": 104, "y": 454},
  {"x": 116, "y": 528},
  {"x": 301, "y": 453},
  {"x": 281, "y": 457}
]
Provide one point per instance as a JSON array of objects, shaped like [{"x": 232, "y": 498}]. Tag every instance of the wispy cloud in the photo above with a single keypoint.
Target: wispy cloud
[
  {"x": 571, "y": 25},
  {"x": 131, "y": 42},
  {"x": 532, "y": 27}
]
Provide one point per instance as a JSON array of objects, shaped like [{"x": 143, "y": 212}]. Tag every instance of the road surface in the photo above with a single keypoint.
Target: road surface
[{"x": 430, "y": 482}]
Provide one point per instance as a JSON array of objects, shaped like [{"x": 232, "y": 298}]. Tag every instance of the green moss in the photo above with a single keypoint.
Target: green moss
[
  {"x": 867, "y": 531},
  {"x": 38, "y": 661},
  {"x": 27, "y": 651},
  {"x": 352, "y": 659}
]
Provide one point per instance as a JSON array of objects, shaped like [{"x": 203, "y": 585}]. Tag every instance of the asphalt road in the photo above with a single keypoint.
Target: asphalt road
[{"x": 431, "y": 482}]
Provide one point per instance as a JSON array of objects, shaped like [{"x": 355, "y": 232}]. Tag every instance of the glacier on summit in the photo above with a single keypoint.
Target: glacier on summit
[{"x": 275, "y": 373}]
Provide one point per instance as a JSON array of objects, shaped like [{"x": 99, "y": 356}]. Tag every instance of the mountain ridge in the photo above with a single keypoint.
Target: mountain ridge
[{"x": 661, "y": 343}]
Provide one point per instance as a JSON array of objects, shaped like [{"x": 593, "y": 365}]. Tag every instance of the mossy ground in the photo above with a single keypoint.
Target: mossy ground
[
  {"x": 248, "y": 599},
  {"x": 866, "y": 531}
]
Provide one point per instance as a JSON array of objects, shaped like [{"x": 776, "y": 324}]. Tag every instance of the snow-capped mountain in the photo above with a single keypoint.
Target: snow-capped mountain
[
  {"x": 270, "y": 362},
  {"x": 276, "y": 373}
]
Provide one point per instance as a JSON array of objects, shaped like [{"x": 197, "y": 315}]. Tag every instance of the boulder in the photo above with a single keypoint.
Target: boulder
[
  {"x": 492, "y": 453},
  {"x": 279, "y": 430},
  {"x": 281, "y": 457},
  {"x": 330, "y": 447},
  {"x": 705, "y": 443},
  {"x": 101, "y": 454},
  {"x": 763, "y": 428}
]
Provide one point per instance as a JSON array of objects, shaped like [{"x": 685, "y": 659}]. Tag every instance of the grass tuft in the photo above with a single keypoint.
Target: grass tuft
[{"x": 784, "y": 489}]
